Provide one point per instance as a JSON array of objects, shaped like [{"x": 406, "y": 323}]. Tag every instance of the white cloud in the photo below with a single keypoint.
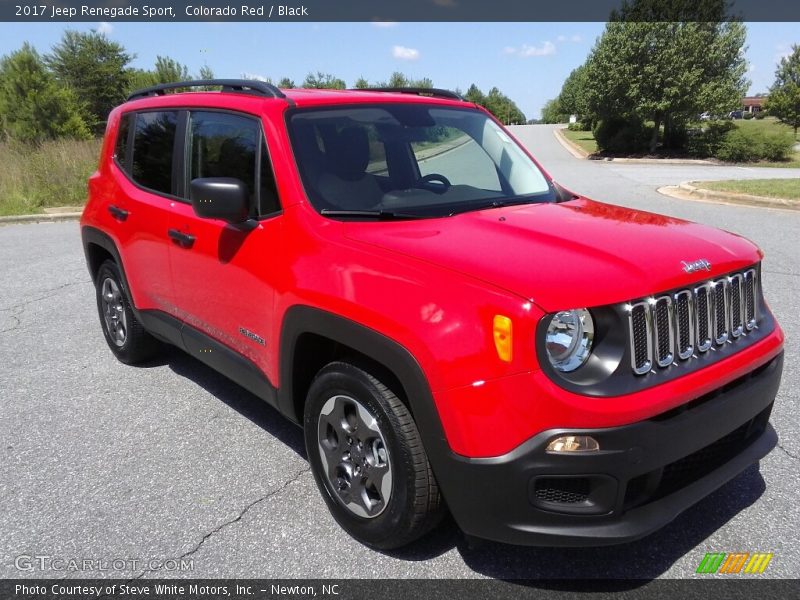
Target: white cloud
[
  {"x": 384, "y": 24},
  {"x": 256, "y": 77},
  {"x": 575, "y": 39},
  {"x": 525, "y": 51},
  {"x": 403, "y": 53},
  {"x": 105, "y": 28}
]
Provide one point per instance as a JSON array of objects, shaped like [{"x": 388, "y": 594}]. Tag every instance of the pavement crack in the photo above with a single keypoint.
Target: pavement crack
[
  {"x": 45, "y": 295},
  {"x": 14, "y": 325},
  {"x": 230, "y": 522},
  {"x": 787, "y": 453}
]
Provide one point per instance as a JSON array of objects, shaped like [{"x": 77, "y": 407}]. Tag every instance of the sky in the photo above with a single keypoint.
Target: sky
[{"x": 527, "y": 61}]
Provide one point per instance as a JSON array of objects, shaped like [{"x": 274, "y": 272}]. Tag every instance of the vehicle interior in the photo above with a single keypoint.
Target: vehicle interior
[{"x": 416, "y": 159}]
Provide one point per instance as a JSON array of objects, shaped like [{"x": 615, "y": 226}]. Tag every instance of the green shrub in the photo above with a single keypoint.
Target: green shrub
[
  {"x": 737, "y": 146},
  {"x": 760, "y": 115},
  {"x": 777, "y": 146},
  {"x": 708, "y": 140},
  {"x": 622, "y": 135},
  {"x": 747, "y": 116},
  {"x": 740, "y": 145},
  {"x": 580, "y": 126}
]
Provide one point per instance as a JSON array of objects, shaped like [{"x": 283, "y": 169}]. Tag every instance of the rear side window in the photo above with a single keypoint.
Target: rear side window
[
  {"x": 121, "y": 146},
  {"x": 226, "y": 145},
  {"x": 153, "y": 146}
]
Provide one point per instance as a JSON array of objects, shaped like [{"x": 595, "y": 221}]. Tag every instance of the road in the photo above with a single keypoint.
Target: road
[{"x": 103, "y": 461}]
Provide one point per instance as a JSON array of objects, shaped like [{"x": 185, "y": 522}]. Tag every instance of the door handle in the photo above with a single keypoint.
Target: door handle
[
  {"x": 182, "y": 239},
  {"x": 118, "y": 213}
]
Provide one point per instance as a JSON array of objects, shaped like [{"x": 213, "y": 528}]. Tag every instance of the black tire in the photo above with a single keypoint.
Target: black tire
[
  {"x": 414, "y": 504},
  {"x": 136, "y": 345}
]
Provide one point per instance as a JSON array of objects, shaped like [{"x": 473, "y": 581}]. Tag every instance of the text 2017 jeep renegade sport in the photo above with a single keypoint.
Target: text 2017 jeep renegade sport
[{"x": 393, "y": 271}]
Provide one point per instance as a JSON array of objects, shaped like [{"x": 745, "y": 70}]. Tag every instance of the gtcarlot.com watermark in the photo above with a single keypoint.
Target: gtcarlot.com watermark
[{"x": 42, "y": 562}]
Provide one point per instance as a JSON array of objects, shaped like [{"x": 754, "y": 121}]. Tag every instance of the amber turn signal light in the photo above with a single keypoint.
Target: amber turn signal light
[{"x": 503, "y": 335}]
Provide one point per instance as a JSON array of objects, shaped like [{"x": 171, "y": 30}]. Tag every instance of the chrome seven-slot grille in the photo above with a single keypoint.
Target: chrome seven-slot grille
[{"x": 668, "y": 328}]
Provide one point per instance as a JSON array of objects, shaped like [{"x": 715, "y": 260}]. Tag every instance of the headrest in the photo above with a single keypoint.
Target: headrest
[{"x": 348, "y": 152}]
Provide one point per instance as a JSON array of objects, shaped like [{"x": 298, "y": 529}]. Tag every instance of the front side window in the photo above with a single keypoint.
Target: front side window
[
  {"x": 153, "y": 147},
  {"x": 226, "y": 145},
  {"x": 416, "y": 159}
]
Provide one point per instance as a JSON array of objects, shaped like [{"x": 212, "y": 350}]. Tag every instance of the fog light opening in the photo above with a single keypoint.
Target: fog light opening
[{"x": 573, "y": 443}]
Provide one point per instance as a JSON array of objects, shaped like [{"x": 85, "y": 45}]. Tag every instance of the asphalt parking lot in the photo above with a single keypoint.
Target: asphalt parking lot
[{"x": 103, "y": 461}]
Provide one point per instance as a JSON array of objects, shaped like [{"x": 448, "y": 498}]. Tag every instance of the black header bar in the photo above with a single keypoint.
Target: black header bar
[{"x": 375, "y": 10}]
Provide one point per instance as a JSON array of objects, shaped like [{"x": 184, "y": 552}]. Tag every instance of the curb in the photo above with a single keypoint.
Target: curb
[
  {"x": 687, "y": 191},
  {"x": 40, "y": 218},
  {"x": 579, "y": 152},
  {"x": 444, "y": 149},
  {"x": 569, "y": 145}
]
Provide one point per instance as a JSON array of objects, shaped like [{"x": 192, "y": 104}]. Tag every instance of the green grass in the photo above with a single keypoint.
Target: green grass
[
  {"x": 771, "y": 188},
  {"x": 584, "y": 139},
  {"x": 54, "y": 173},
  {"x": 767, "y": 125}
]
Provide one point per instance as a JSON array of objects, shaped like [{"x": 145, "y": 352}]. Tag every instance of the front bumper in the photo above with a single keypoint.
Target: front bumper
[{"x": 644, "y": 475}]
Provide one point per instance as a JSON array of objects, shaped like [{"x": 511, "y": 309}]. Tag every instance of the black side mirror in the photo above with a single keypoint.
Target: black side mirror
[{"x": 225, "y": 198}]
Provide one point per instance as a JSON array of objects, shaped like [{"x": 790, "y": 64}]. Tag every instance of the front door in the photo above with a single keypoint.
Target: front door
[{"x": 224, "y": 276}]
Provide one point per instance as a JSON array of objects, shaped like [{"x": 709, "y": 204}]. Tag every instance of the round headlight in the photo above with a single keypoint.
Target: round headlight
[{"x": 569, "y": 339}]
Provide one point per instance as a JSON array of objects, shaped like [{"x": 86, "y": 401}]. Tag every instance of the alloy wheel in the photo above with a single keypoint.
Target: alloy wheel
[
  {"x": 355, "y": 456},
  {"x": 114, "y": 312}
]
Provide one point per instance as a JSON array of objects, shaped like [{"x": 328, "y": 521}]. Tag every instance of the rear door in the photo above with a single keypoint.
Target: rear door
[
  {"x": 225, "y": 279},
  {"x": 140, "y": 212}
]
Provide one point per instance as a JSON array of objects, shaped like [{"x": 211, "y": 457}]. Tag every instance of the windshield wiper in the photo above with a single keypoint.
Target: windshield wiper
[
  {"x": 496, "y": 204},
  {"x": 383, "y": 215}
]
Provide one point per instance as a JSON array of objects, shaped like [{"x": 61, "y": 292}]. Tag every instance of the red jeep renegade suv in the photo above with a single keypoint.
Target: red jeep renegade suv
[{"x": 393, "y": 271}]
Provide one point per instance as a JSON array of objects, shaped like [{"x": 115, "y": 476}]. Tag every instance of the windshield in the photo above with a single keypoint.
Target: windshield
[{"x": 410, "y": 160}]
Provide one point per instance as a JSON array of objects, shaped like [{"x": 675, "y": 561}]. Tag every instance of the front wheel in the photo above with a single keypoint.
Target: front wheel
[{"x": 367, "y": 458}]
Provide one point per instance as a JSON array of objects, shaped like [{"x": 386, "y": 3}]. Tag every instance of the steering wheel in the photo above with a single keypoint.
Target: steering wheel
[{"x": 443, "y": 183}]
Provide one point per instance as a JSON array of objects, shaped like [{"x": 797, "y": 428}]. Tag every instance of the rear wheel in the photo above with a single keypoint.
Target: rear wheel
[
  {"x": 126, "y": 337},
  {"x": 368, "y": 459}
]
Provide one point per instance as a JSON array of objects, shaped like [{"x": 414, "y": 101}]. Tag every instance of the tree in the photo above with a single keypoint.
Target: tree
[
  {"x": 573, "y": 98},
  {"x": 400, "y": 80},
  {"x": 286, "y": 83},
  {"x": 322, "y": 80},
  {"x": 206, "y": 72},
  {"x": 139, "y": 79},
  {"x": 552, "y": 112},
  {"x": 667, "y": 71},
  {"x": 169, "y": 70},
  {"x": 784, "y": 97},
  {"x": 361, "y": 84},
  {"x": 497, "y": 103},
  {"x": 502, "y": 107},
  {"x": 475, "y": 95},
  {"x": 96, "y": 70},
  {"x": 397, "y": 80},
  {"x": 33, "y": 107}
]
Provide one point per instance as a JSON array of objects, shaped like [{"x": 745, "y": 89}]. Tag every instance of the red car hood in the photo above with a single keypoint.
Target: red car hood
[{"x": 574, "y": 254}]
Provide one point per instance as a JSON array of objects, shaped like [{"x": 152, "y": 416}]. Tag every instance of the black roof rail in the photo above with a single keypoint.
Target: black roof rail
[
  {"x": 432, "y": 92},
  {"x": 242, "y": 86}
]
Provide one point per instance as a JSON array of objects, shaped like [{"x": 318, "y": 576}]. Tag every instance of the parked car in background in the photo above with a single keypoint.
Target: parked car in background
[{"x": 735, "y": 114}]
